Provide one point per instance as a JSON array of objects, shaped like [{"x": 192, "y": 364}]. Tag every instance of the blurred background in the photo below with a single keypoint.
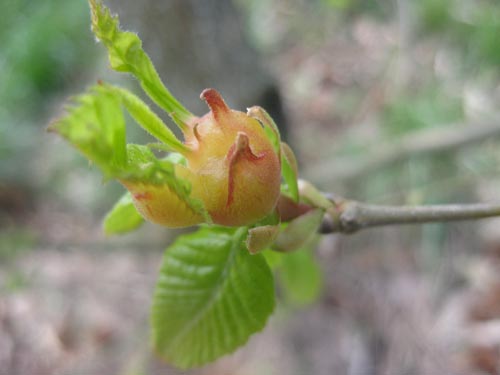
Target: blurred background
[{"x": 391, "y": 102}]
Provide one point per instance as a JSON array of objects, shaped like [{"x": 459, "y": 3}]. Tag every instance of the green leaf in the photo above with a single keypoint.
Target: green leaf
[
  {"x": 94, "y": 124},
  {"x": 300, "y": 276},
  {"x": 123, "y": 217},
  {"x": 273, "y": 258},
  {"x": 99, "y": 111},
  {"x": 147, "y": 119},
  {"x": 126, "y": 55},
  {"x": 210, "y": 297},
  {"x": 289, "y": 170},
  {"x": 298, "y": 273}
]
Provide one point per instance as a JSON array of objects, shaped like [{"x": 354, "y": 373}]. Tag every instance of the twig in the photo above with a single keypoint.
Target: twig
[
  {"x": 351, "y": 216},
  {"x": 425, "y": 143}
]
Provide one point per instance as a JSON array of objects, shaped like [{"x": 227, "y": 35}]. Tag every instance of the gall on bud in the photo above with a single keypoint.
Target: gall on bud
[{"x": 232, "y": 167}]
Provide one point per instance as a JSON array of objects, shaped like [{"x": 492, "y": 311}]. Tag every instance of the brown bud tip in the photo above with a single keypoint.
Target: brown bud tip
[{"x": 214, "y": 100}]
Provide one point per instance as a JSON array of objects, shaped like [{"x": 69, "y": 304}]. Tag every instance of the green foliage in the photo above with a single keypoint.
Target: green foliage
[
  {"x": 14, "y": 243},
  {"x": 210, "y": 297},
  {"x": 147, "y": 119},
  {"x": 298, "y": 274},
  {"x": 32, "y": 62},
  {"x": 43, "y": 51},
  {"x": 126, "y": 55},
  {"x": 434, "y": 14},
  {"x": 353, "y": 7},
  {"x": 95, "y": 125},
  {"x": 123, "y": 217},
  {"x": 474, "y": 36},
  {"x": 340, "y": 4},
  {"x": 424, "y": 109},
  {"x": 483, "y": 42},
  {"x": 300, "y": 277},
  {"x": 14, "y": 281}
]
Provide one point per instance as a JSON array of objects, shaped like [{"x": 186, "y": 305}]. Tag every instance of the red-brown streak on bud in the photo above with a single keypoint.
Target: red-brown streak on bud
[
  {"x": 142, "y": 196},
  {"x": 239, "y": 149},
  {"x": 217, "y": 105}
]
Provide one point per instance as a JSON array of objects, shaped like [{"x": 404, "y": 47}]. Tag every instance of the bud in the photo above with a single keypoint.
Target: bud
[
  {"x": 232, "y": 167},
  {"x": 230, "y": 173}
]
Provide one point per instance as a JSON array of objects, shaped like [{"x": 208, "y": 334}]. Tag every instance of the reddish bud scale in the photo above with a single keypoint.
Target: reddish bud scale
[{"x": 232, "y": 167}]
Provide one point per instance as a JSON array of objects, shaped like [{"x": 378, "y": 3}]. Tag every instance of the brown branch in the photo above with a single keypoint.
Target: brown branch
[{"x": 351, "y": 216}]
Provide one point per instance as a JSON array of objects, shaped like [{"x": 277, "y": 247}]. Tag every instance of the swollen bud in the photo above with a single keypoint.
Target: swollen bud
[
  {"x": 227, "y": 170},
  {"x": 232, "y": 166}
]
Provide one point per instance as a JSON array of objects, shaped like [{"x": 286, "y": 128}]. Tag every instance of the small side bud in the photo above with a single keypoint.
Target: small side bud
[
  {"x": 299, "y": 231},
  {"x": 261, "y": 238}
]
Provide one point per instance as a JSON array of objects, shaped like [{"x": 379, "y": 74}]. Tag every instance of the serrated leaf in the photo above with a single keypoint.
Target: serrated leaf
[
  {"x": 126, "y": 55},
  {"x": 210, "y": 297},
  {"x": 94, "y": 124},
  {"x": 300, "y": 277},
  {"x": 289, "y": 170},
  {"x": 123, "y": 217}
]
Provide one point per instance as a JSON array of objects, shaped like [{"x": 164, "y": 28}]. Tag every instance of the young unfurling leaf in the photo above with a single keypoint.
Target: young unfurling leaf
[
  {"x": 123, "y": 217},
  {"x": 126, "y": 55},
  {"x": 233, "y": 169},
  {"x": 95, "y": 125}
]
